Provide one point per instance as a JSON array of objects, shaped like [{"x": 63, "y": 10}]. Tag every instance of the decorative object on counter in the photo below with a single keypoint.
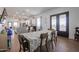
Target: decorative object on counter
[{"x": 4, "y": 13}]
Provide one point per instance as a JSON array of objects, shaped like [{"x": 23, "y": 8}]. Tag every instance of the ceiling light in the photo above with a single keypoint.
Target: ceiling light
[
  {"x": 23, "y": 13},
  {"x": 17, "y": 12},
  {"x": 27, "y": 10},
  {"x": 19, "y": 16}
]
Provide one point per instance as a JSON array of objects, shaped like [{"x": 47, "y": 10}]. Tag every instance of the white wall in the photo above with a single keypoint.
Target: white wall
[{"x": 73, "y": 18}]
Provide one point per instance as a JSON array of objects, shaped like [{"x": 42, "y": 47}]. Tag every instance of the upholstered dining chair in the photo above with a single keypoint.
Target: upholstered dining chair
[
  {"x": 44, "y": 39},
  {"x": 24, "y": 44}
]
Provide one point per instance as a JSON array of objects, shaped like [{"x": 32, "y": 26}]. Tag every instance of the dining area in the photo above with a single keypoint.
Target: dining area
[
  {"x": 38, "y": 32},
  {"x": 28, "y": 30},
  {"x": 30, "y": 41},
  {"x": 39, "y": 29}
]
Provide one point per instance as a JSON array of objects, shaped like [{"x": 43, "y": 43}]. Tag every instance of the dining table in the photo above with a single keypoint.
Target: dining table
[{"x": 34, "y": 38}]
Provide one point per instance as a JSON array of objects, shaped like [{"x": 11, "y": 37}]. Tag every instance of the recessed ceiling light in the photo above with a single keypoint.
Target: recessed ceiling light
[
  {"x": 27, "y": 10},
  {"x": 17, "y": 12},
  {"x": 23, "y": 13},
  {"x": 19, "y": 16}
]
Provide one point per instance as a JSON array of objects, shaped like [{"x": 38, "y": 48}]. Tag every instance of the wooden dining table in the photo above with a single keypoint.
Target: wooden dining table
[{"x": 34, "y": 38}]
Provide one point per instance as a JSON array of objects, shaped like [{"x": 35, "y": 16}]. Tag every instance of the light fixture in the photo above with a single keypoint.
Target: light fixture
[
  {"x": 17, "y": 12},
  {"x": 27, "y": 10},
  {"x": 19, "y": 16},
  {"x": 23, "y": 13}
]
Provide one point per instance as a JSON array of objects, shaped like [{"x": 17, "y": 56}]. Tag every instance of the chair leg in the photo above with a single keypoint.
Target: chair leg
[
  {"x": 23, "y": 49},
  {"x": 29, "y": 48},
  {"x": 47, "y": 47},
  {"x": 23, "y": 46},
  {"x": 20, "y": 49},
  {"x": 55, "y": 41},
  {"x": 40, "y": 48},
  {"x": 52, "y": 43}
]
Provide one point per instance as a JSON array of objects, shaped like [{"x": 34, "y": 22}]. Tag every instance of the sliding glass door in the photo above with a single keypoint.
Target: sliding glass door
[{"x": 60, "y": 22}]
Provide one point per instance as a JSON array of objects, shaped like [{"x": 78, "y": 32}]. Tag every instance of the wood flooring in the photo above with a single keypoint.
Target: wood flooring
[{"x": 63, "y": 45}]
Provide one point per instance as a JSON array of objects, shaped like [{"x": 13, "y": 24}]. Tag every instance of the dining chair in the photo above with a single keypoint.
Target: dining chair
[
  {"x": 53, "y": 38},
  {"x": 24, "y": 43},
  {"x": 76, "y": 35},
  {"x": 34, "y": 28},
  {"x": 44, "y": 39},
  {"x": 27, "y": 29},
  {"x": 20, "y": 42},
  {"x": 31, "y": 29}
]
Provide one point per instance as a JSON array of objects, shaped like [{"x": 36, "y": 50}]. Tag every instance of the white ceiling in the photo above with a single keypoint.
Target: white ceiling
[
  {"x": 28, "y": 11},
  {"x": 25, "y": 12}
]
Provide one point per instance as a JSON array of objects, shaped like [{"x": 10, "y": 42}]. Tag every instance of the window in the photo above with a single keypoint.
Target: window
[
  {"x": 15, "y": 24},
  {"x": 38, "y": 23},
  {"x": 27, "y": 22},
  {"x": 54, "y": 22},
  {"x": 62, "y": 22},
  {"x": 33, "y": 22},
  {"x": 9, "y": 24}
]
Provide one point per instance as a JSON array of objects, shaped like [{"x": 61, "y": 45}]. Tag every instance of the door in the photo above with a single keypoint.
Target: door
[{"x": 60, "y": 22}]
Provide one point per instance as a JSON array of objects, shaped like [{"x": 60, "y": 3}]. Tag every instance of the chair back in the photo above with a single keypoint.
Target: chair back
[
  {"x": 20, "y": 38},
  {"x": 52, "y": 35},
  {"x": 44, "y": 38},
  {"x": 77, "y": 30},
  {"x": 24, "y": 42}
]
